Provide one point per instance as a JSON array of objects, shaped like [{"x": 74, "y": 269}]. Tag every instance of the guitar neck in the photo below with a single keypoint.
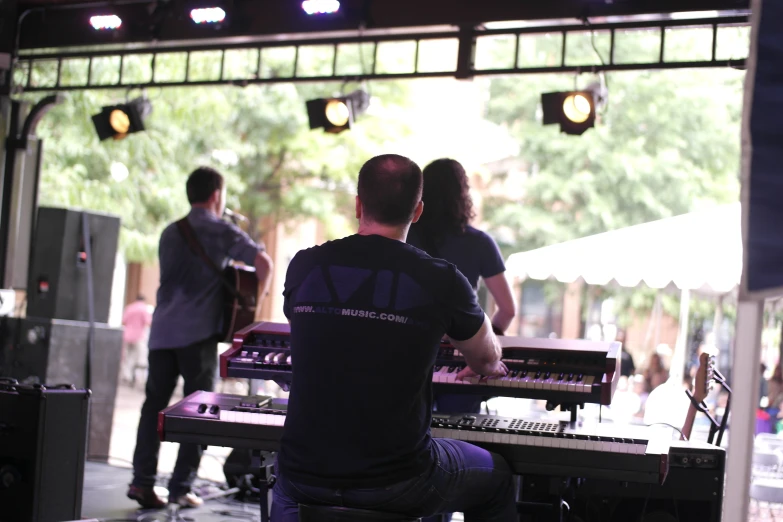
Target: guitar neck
[{"x": 688, "y": 426}]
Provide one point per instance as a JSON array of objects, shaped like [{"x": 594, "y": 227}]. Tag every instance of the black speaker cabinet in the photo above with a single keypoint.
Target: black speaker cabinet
[
  {"x": 53, "y": 351},
  {"x": 57, "y": 280},
  {"x": 42, "y": 445}
]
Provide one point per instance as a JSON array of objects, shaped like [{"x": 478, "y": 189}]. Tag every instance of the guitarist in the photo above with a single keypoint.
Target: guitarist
[{"x": 186, "y": 327}]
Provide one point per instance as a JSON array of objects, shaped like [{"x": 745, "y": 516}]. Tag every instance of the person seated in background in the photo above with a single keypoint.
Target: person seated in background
[
  {"x": 444, "y": 231},
  {"x": 668, "y": 403},
  {"x": 627, "y": 366},
  {"x": 367, "y": 314},
  {"x": 655, "y": 374}
]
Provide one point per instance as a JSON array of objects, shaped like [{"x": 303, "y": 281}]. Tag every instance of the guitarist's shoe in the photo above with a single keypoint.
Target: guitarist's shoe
[
  {"x": 146, "y": 497},
  {"x": 188, "y": 500}
]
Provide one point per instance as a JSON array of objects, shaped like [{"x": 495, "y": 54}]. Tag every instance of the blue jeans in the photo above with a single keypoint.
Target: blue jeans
[
  {"x": 462, "y": 478},
  {"x": 196, "y": 364}
]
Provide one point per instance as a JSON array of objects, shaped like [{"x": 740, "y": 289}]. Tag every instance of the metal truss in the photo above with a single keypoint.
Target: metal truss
[{"x": 456, "y": 53}]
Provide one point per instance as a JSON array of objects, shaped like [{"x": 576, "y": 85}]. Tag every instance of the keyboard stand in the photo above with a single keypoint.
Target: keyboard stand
[
  {"x": 258, "y": 460},
  {"x": 536, "y": 497},
  {"x": 572, "y": 408}
]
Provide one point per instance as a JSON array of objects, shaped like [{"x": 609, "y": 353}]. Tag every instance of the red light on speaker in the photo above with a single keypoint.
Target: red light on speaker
[
  {"x": 105, "y": 22},
  {"x": 43, "y": 286},
  {"x": 319, "y": 7},
  {"x": 208, "y": 15}
]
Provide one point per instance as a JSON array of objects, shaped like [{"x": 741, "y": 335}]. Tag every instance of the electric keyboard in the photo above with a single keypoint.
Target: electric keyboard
[
  {"x": 623, "y": 453},
  {"x": 557, "y": 370},
  {"x": 561, "y": 371}
]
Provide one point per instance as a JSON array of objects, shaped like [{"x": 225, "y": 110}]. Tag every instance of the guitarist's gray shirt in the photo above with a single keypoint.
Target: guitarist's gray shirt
[{"x": 189, "y": 305}]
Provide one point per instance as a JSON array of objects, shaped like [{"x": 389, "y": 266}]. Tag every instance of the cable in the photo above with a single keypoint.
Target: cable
[
  {"x": 676, "y": 509},
  {"x": 601, "y": 75},
  {"x": 644, "y": 506},
  {"x": 592, "y": 43},
  {"x": 90, "y": 300},
  {"x": 678, "y": 430},
  {"x": 234, "y": 513},
  {"x": 361, "y": 58}
]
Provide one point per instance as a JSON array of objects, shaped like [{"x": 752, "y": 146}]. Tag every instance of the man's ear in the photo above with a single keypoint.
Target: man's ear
[
  {"x": 417, "y": 212},
  {"x": 358, "y": 208}
]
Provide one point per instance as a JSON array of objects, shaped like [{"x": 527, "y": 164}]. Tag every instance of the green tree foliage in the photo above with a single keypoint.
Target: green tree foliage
[{"x": 666, "y": 143}]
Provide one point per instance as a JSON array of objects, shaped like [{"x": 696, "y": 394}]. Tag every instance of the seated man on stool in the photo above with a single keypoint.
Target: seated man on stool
[{"x": 367, "y": 313}]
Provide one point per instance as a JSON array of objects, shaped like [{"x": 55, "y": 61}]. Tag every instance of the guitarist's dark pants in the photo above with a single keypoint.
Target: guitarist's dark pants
[{"x": 197, "y": 364}]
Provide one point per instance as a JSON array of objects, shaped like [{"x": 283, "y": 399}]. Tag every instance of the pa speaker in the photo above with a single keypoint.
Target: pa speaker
[{"x": 57, "y": 280}]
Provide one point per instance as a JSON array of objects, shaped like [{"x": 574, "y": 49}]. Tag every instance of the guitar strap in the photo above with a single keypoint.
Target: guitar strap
[{"x": 189, "y": 235}]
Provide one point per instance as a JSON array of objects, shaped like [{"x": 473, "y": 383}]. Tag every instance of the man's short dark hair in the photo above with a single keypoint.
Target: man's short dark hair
[
  {"x": 389, "y": 189},
  {"x": 202, "y": 183}
]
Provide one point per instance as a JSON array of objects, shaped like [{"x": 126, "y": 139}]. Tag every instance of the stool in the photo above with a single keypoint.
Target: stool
[{"x": 343, "y": 514}]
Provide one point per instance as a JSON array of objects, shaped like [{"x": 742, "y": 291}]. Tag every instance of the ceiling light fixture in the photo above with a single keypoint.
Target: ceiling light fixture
[{"x": 105, "y": 22}]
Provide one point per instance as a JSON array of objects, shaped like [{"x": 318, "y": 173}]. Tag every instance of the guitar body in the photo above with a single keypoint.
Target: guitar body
[{"x": 240, "y": 309}]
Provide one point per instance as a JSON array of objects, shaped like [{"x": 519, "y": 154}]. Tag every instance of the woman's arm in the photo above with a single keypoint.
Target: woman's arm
[{"x": 501, "y": 292}]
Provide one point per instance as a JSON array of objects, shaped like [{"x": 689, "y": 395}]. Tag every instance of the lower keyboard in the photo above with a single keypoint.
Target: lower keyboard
[{"x": 530, "y": 447}]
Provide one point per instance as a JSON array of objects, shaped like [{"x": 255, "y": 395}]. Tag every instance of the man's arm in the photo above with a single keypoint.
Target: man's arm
[
  {"x": 482, "y": 352},
  {"x": 501, "y": 292}
]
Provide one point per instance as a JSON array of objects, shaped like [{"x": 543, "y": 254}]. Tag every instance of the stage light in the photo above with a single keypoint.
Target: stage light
[
  {"x": 117, "y": 121},
  {"x": 105, "y": 22},
  {"x": 319, "y": 7},
  {"x": 208, "y": 15},
  {"x": 574, "y": 111},
  {"x": 577, "y": 108},
  {"x": 336, "y": 115}
]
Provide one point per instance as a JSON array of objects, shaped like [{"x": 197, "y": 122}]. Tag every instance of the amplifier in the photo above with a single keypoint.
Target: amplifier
[
  {"x": 43, "y": 433},
  {"x": 35, "y": 351}
]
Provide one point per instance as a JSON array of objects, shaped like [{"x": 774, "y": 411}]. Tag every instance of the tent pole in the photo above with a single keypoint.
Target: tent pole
[
  {"x": 745, "y": 400},
  {"x": 680, "y": 349}
]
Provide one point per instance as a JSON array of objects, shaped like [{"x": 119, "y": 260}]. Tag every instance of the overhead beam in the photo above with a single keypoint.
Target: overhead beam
[
  {"x": 44, "y": 71},
  {"x": 65, "y": 25}
]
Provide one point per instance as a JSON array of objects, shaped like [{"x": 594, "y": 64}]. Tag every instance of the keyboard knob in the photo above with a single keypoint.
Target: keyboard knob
[
  {"x": 202, "y": 408},
  {"x": 214, "y": 409}
]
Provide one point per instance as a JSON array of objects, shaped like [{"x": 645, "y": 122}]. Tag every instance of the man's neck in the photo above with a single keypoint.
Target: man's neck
[
  {"x": 400, "y": 233},
  {"x": 205, "y": 206}
]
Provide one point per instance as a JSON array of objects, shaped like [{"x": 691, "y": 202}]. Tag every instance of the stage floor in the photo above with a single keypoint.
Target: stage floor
[{"x": 104, "y": 498}]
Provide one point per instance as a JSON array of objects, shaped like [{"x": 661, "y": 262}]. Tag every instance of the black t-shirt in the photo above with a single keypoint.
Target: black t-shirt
[
  {"x": 474, "y": 252},
  {"x": 367, "y": 314}
]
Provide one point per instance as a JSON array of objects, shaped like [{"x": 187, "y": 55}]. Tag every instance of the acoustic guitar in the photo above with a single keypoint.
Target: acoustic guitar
[
  {"x": 702, "y": 386},
  {"x": 240, "y": 298}
]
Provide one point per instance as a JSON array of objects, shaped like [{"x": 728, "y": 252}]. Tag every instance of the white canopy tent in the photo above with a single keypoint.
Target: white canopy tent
[{"x": 700, "y": 251}]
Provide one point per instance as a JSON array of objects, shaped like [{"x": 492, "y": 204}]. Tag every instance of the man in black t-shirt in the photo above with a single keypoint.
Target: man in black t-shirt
[{"x": 367, "y": 313}]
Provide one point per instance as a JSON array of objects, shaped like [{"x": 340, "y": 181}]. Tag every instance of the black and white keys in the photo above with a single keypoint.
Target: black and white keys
[{"x": 569, "y": 382}]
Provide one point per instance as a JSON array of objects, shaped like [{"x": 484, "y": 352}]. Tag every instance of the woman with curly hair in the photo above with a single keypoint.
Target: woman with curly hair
[{"x": 444, "y": 231}]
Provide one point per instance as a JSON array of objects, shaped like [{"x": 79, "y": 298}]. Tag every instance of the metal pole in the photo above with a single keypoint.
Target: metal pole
[
  {"x": 745, "y": 371},
  {"x": 681, "y": 348}
]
